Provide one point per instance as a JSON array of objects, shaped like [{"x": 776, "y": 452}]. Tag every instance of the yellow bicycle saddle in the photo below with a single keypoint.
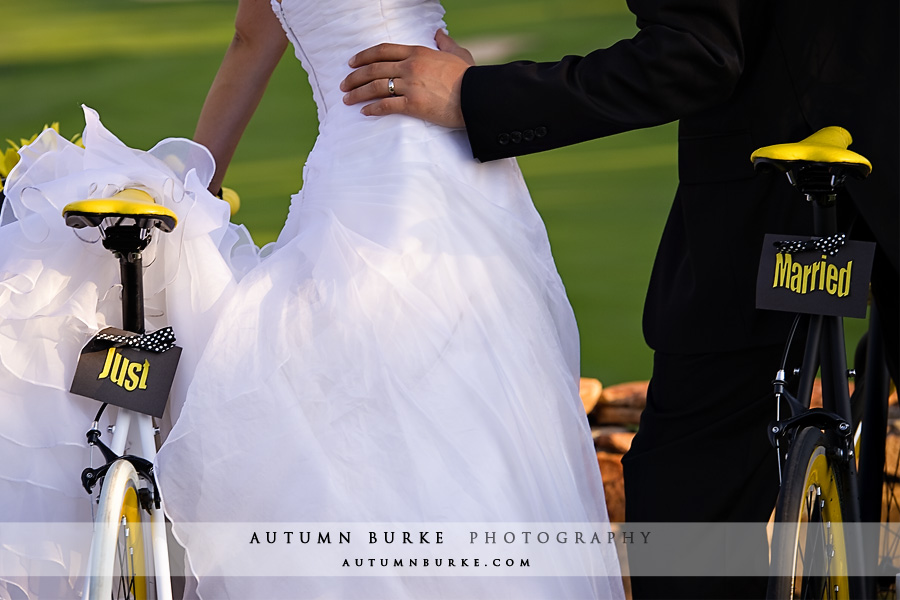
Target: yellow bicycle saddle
[
  {"x": 129, "y": 203},
  {"x": 826, "y": 146}
]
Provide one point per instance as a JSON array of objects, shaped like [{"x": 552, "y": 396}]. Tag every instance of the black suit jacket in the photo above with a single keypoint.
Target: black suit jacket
[{"x": 738, "y": 74}]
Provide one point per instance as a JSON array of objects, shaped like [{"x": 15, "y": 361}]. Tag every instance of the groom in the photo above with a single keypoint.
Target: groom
[{"x": 738, "y": 74}]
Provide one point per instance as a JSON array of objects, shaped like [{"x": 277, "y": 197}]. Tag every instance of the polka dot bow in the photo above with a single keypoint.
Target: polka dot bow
[
  {"x": 158, "y": 341},
  {"x": 828, "y": 245}
]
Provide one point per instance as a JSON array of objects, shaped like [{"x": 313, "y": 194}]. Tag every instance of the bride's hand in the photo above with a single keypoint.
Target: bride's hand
[{"x": 410, "y": 80}]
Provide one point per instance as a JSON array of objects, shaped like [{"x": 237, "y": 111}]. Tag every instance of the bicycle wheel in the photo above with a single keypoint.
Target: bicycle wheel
[
  {"x": 119, "y": 565},
  {"x": 809, "y": 557}
]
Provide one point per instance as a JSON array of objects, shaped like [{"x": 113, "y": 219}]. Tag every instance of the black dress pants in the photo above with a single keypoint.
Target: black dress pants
[{"x": 702, "y": 455}]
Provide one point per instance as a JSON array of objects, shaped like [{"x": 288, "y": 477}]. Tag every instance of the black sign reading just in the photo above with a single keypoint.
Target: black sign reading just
[
  {"x": 812, "y": 280},
  {"x": 113, "y": 371}
]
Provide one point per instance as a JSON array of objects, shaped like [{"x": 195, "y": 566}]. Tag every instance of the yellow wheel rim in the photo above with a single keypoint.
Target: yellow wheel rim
[
  {"x": 132, "y": 550},
  {"x": 820, "y": 514}
]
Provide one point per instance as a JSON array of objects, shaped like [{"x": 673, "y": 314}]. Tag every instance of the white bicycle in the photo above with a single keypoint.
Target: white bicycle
[{"x": 129, "y": 555}]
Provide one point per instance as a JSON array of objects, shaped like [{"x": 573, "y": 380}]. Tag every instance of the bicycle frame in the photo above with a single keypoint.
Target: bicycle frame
[
  {"x": 825, "y": 349},
  {"x": 127, "y": 248},
  {"x": 145, "y": 434},
  {"x": 824, "y": 339}
]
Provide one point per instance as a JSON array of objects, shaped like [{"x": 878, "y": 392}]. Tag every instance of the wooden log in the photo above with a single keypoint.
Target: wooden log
[
  {"x": 589, "y": 389},
  {"x": 616, "y": 415},
  {"x": 612, "y": 439},
  {"x": 633, "y": 394},
  {"x": 613, "y": 485}
]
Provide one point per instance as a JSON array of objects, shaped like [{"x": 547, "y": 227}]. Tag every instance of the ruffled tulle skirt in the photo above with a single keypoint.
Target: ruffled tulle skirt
[
  {"x": 405, "y": 354},
  {"x": 58, "y": 287}
]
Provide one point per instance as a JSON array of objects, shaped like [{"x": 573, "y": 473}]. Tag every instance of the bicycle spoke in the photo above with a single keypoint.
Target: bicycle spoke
[{"x": 121, "y": 545}]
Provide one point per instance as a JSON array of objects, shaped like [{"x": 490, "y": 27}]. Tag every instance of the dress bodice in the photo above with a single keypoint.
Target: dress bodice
[{"x": 325, "y": 34}]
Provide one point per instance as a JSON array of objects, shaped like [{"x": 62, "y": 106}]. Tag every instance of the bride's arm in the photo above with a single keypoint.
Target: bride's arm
[{"x": 258, "y": 44}]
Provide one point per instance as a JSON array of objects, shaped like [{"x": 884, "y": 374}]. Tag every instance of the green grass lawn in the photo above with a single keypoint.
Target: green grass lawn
[{"x": 145, "y": 67}]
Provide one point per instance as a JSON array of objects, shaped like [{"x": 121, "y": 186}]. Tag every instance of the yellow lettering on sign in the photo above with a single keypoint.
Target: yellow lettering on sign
[
  {"x": 804, "y": 279},
  {"x": 126, "y": 374},
  {"x": 844, "y": 280},
  {"x": 831, "y": 280}
]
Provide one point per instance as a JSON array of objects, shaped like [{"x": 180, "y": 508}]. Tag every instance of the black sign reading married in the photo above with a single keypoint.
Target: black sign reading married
[
  {"x": 814, "y": 281},
  {"x": 113, "y": 368}
]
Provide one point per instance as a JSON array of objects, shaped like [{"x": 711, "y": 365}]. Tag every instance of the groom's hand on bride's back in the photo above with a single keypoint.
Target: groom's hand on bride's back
[{"x": 425, "y": 82}]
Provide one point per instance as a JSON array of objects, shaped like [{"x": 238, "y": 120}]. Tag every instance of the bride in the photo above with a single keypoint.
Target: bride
[{"x": 405, "y": 352}]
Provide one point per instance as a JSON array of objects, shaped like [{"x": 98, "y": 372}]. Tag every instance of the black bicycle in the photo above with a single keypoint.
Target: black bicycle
[{"x": 831, "y": 467}]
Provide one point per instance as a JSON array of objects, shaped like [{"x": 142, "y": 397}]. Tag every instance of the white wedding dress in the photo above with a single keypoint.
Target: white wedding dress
[{"x": 406, "y": 353}]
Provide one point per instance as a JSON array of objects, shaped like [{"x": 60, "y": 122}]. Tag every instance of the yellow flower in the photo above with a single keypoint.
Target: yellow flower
[
  {"x": 8, "y": 160},
  {"x": 232, "y": 198},
  {"x": 24, "y": 142},
  {"x": 10, "y": 156}
]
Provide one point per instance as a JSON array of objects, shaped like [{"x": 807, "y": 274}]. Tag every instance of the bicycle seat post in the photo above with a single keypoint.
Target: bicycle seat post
[
  {"x": 127, "y": 248},
  {"x": 824, "y": 213},
  {"x": 820, "y": 186},
  {"x": 127, "y": 242},
  {"x": 132, "y": 293}
]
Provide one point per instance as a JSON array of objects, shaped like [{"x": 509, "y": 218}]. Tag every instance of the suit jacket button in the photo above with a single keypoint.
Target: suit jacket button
[
  {"x": 503, "y": 139},
  {"x": 515, "y": 137},
  {"x": 528, "y": 135},
  {"x": 540, "y": 132}
]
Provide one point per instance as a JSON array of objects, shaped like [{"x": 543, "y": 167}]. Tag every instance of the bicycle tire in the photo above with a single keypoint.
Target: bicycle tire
[
  {"x": 809, "y": 555},
  {"x": 887, "y": 546},
  {"x": 119, "y": 564}
]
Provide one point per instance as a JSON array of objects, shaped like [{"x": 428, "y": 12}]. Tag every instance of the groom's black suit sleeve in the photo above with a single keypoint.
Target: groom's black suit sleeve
[{"x": 682, "y": 61}]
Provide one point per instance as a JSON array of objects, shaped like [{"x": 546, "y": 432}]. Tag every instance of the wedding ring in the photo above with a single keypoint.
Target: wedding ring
[{"x": 391, "y": 90}]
